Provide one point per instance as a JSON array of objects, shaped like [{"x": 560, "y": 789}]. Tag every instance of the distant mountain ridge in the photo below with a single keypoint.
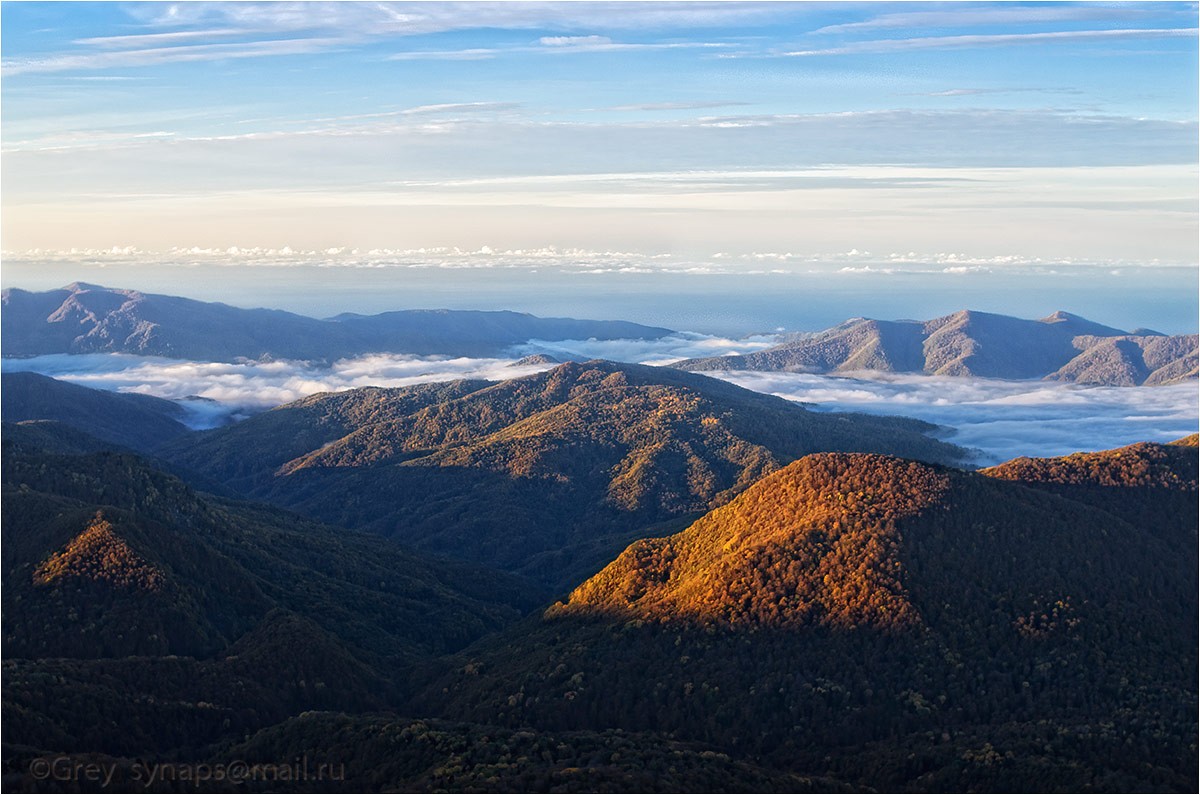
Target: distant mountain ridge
[
  {"x": 1060, "y": 347},
  {"x": 88, "y": 318}
]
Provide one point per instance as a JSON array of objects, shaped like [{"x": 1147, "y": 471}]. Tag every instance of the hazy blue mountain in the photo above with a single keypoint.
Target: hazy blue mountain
[
  {"x": 87, "y": 318},
  {"x": 1061, "y": 347}
]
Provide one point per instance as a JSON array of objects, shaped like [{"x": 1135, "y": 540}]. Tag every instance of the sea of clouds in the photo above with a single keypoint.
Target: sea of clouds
[{"x": 1000, "y": 419}]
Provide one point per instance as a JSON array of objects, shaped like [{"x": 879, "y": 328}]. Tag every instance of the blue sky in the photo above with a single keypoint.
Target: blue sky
[{"x": 719, "y": 136}]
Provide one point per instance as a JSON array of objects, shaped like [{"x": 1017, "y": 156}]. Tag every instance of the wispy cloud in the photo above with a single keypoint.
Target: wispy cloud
[
  {"x": 471, "y": 54},
  {"x": 555, "y": 45},
  {"x": 285, "y": 28},
  {"x": 573, "y": 41},
  {"x": 995, "y": 40},
  {"x": 472, "y": 144},
  {"x": 416, "y": 18},
  {"x": 972, "y": 92},
  {"x": 439, "y": 109},
  {"x": 161, "y": 55},
  {"x": 653, "y": 106},
  {"x": 143, "y": 40},
  {"x": 975, "y": 16},
  {"x": 105, "y": 78}
]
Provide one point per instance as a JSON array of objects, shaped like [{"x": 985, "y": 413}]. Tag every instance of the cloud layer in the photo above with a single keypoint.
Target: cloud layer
[
  {"x": 216, "y": 391},
  {"x": 1000, "y": 419}
]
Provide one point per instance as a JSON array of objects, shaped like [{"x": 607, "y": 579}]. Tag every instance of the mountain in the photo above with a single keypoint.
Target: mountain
[
  {"x": 1129, "y": 360},
  {"x": 536, "y": 359},
  {"x": 87, "y": 318},
  {"x": 474, "y": 333},
  {"x": 141, "y": 616},
  {"x": 111, "y": 528},
  {"x": 846, "y": 621},
  {"x": 892, "y": 624},
  {"x": 138, "y": 422},
  {"x": 1061, "y": 347},
  {"x": 549, "y": 475},
  {"x": 1150, "y": 485}
]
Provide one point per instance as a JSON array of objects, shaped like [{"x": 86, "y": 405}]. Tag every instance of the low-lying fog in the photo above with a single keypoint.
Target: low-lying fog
[{"x": 1002, "y": 419}]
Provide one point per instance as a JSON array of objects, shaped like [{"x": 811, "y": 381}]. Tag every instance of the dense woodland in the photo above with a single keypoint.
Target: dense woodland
[
  {"x": 848, "y": 621},
  {"x": 583, "y": 458},
  {"x": 849, "y": 606}
]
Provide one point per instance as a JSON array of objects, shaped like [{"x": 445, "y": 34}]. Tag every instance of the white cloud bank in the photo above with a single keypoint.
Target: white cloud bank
[
  {"x": 249, "y": 386},
  {"x": 1002, "y": 419}
]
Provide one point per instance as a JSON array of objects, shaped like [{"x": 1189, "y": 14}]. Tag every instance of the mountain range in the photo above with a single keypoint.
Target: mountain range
[
  {"x": 1061, "y": 347},
  {"x": 600, "y": 577},
  {"x": 548, "y": 475},
  {"x": 191, "y": 616},
  {"x": 87, "y": 318},
  {"x": 849, "y": 621},
  {"x": 892, "y": 624}
]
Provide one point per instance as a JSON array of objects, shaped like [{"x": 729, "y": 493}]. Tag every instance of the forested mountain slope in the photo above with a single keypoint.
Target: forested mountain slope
[
  {"x": 141, "y": 616},
  {"x": 895, "y": 624},
  {"x": 138, "y": 422},
  {"x": 551, "y": 474}
]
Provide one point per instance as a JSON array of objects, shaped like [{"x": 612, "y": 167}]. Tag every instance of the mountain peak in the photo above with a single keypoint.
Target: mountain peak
[
  {"x": 546, "y": 474},
  {"x": 100, "y": 556},
  {"x": 814, "y": 543},
  {"x": 1079, "y": 326},
  {"x": 84, "y": 287},
  {"x": 536, "y": 359}
]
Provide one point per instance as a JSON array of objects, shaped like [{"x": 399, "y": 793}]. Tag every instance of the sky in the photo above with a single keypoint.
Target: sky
[{"x": 996, "y": 152}]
